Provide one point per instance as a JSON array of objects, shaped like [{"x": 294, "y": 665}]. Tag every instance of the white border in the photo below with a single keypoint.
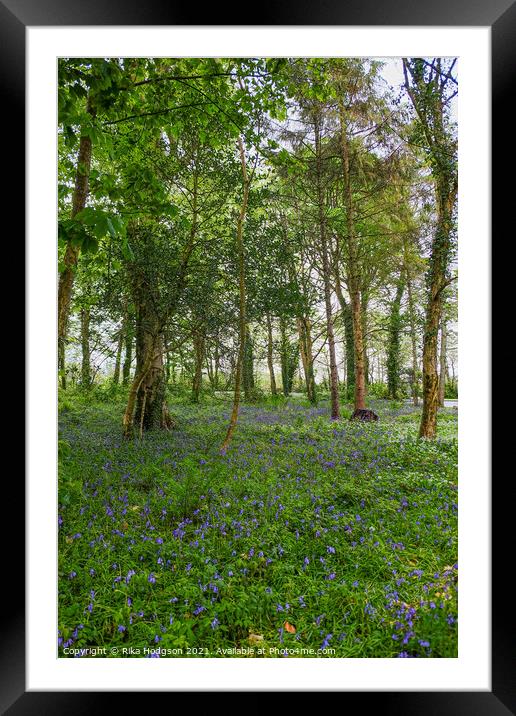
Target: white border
[{"x": 471, "y": 671}]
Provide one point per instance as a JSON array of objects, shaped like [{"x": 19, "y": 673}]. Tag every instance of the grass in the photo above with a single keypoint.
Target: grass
[{"x": 318, "y": 538}]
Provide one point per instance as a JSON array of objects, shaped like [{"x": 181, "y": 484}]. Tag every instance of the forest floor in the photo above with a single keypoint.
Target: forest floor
[{"x": 309, "y": 537}]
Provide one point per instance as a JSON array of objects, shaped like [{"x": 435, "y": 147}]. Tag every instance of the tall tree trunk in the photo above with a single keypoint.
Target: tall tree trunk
[
  {"x": 118, "y": 355},
  {"x": 353, "y": 269},
  {"x": 393, "y": 349},
  {"x": 364, "y": 298},
  {"x": 284, "y": 358},
  {"x": 270, "y": 356},
  {"x": 334, "y": 378},
  {"x": 347, "y": 320},
  {"x": 428, "y": 94},
  {"x": 413, "y": 337},
  {"x": 168, "y": 361},
  {"x": 71, "y": 256},
  {"x": 442, "y": 360},
  {"x": 248, "y": 366},
  {"x": 61, "y": 362},
  {"x": 128, "y": 338},
  {"x": 437, "y": 282},
  {"x": 242, "y": 299},
  {"x": 306, "y": 350},
  {"x": 199, "y": 350},
  {"x": 85, "y": 348}
]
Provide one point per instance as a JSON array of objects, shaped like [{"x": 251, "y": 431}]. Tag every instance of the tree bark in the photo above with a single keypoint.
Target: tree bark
[
  {"x": 85, "y": 348},
  {"x": 248, "y": 366},
  {"x": 437, "y": 272},
  {"x": 199, "y": 342},
  {"x": 347, "y": 320},
  {"x": 413, "y": 336},
  {"x": 306, "y": 351},
  {"x": 71, "y": 256},
  {"x": 284, "y": 358},
  {"x": 353, "y": 269},
  {"x": 442, "y": 361},
  {"x": 393, "y": 348},
  {"x": 334, "y": 378},
  {"x": 118, "y": 355},
  {"x": 427, "y": 94},
  {"x": 270, "y": 356},
  {"x": 242, "y": 299},
  {"x": 126, "y": 368},
  {"x": 61, "y": 363},
  {"x": 151, "y": 412}
]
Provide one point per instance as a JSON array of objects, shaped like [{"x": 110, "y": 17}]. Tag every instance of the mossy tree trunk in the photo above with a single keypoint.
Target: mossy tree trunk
[
  {"x": 199, "y": 343},
  {"x": 128, "y": 358},
  {"x": 307, "y": 358},
  {"x": 71, "y": 255},
  {"x": 270, "y": 356},
  {"x": 248, "y": 366},
  {"x": 118, "y": 354},
  {"x": 85, "y": 348},
  {"x": 442, "y": 361},
  {"x": 393, "y": 348},
  {"x": 428, "y": 88}
]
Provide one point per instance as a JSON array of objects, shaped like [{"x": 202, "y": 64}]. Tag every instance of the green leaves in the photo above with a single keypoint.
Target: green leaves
[{"x": 89, "y": 227}]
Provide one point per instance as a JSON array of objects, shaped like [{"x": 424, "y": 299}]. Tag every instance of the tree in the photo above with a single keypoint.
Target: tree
[
  {"x": 246, "y": 181},
  {"x": 430, "y": 85}
]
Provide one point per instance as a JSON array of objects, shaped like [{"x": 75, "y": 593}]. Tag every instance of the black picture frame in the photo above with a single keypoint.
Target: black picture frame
[{"x": 500, "y": 15}]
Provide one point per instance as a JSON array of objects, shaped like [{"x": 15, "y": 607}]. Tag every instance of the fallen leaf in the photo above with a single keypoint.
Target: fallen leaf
[
  {"x": 255, "y": 638},
  {"x": 291, "y": 629}
]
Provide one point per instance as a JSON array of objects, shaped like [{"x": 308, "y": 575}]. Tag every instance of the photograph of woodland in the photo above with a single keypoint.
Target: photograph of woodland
[{"x": 257, "y": 357}]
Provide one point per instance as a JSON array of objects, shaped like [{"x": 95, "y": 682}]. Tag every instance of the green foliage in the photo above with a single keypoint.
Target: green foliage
[{"x": 377, "y": 390}]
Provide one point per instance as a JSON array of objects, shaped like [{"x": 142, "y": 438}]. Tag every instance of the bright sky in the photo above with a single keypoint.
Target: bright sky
[{"x": 392, "y": 72}]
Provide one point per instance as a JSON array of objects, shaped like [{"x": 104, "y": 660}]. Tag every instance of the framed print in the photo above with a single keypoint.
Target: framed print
[{"x": 41, "y": 51}]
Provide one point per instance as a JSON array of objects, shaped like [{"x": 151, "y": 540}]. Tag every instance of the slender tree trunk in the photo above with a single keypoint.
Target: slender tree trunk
[
  {"x": 248, "y": 366},
  {"x": 393, "y": 349},
  {"x": 168, "y": 362},
  {"x": 285, "y": 358},
  {"x": 413, "y": 341},
  {"x": 242, "y": 300},
  {"x": 217, "y": 363},
  {"x": 442, "y": 359},
  {"x": 270, "y": 356},
  {"x": 61, "y": 362},
  {"x": 306, "y": 350},
  {"x": 427, "y": 93},
  {"x": 199, "y": 350},
  {"x": 66, "y": 278},
  {"x": 334, "y": 378},
  {"x": 348, "y": 338},
  {"x": 129, "y": 337},
  {"x": 364, "y": 310},
  {"x": 412, "y": 324},
  {"x": 118, "y": 355},
  {"x": 85, "y": 348},
  {"x": 437, "y": 272},
  {"x": 353, "y": 270}
]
